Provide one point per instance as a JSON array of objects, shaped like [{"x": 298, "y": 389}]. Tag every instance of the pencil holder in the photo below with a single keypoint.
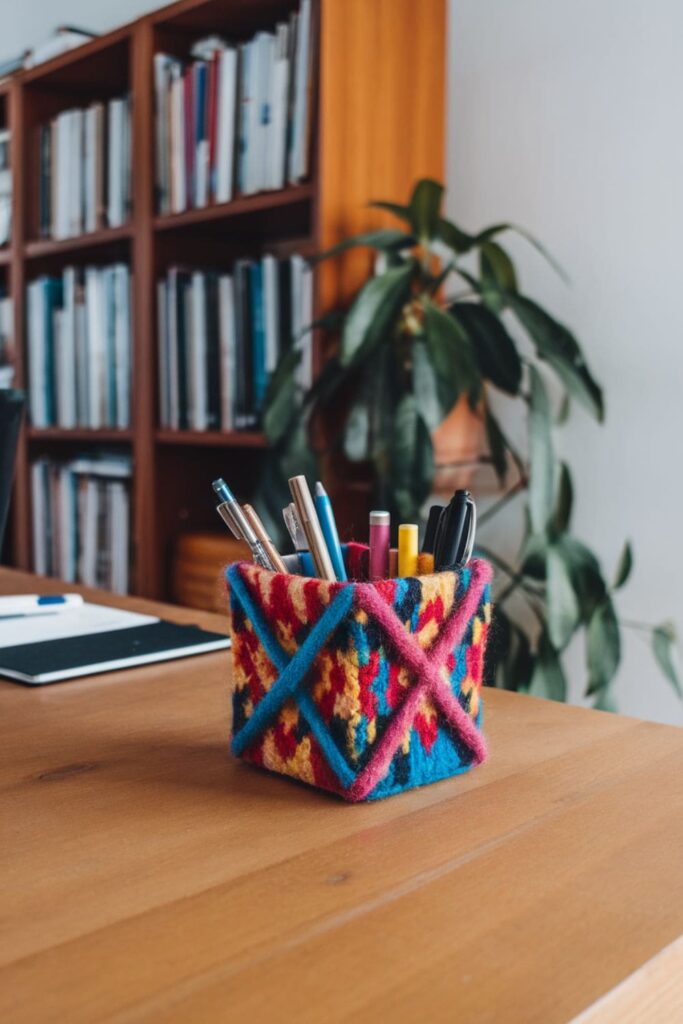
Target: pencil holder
[{"x": 361, "y": 688}]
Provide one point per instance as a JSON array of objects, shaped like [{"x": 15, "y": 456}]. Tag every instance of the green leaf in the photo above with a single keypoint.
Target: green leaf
[
  {"x": 357, "y": 431},
  {"x": 281, "y": 400},
  {"x": 435, "y": 283},
  {"x": 665, "y": 651},
  {"x": 563, "y": 609},
  {"x": 564, "y": 410},
  {"x": 564, "y": 501},
  {"x": 559, "y": 348},
  {"x": 412, "y": 463},
  {"x": 497, "y": 444},
  {"x": 533, "y": 556},
  {"x": 605, "y": 701},
  {"x": 497, "y": 273},
  {"x": 386, "y": 238},
  {"x": 494, "y": 349},
  {"x": 462, "y": 242},
  {"x": 498, "y": 229},
  {"x": 548, "y": 679},
  {"x": 624, "y": 567},
  {"x": 520, "y": 662},
  {"x": 425, "y": 387},
  {"x": 603, "y": 646},
  {"x": 425, "y": 206},
  {"x": 402, "y": 212},
  {"x": 586, "y": 576},
  {"x": 450, "y": 353},
  {"x": 452, "y": 236},
  {"x": 374, "y": 310},
  {"x": 424, "y": 464},
  {"x": 541, "y": 483}
]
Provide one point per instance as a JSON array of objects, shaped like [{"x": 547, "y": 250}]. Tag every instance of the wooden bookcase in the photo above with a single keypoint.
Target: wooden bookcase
[{"x": 378, "y": 126}]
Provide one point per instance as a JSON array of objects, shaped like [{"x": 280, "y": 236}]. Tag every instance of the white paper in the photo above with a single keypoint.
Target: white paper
[{"x": 89, "y": 618}]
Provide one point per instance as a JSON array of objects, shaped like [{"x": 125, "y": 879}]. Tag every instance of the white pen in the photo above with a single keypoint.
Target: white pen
[{"x": 22, "y": 605}]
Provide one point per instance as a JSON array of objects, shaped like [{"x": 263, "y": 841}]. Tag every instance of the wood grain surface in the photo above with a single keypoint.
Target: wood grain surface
[{"x": 146, "y": 876}]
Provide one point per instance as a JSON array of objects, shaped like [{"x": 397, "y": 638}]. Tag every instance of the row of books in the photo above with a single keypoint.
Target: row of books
[
  {"x": 235, "y": 118},
  {"x": 222, "y": 335},
  {"x": 84, "y": 181},
  {"x": 79, "y": 348},
  {"x": 6, "y": 341},
  {"x": 81, "y": 520}
]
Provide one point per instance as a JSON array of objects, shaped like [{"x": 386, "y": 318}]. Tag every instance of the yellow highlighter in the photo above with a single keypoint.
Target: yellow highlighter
[{"x": 407, "y": 549}]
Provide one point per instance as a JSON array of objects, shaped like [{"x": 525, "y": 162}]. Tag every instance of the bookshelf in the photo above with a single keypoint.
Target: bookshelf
[{"x": 378, "y": 124}]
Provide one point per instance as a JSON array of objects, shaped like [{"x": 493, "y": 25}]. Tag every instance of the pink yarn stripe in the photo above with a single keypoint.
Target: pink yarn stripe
[{"x": 426, "y": 667}]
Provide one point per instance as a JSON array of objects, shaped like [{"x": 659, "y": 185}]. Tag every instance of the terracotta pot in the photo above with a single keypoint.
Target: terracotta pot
[{"x": 458, "y": 443}]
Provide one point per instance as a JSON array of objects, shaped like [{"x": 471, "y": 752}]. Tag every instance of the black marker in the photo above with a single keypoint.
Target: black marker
[
  {"x": 458, "y": 525},
  {"x": 430, "y": 537}
]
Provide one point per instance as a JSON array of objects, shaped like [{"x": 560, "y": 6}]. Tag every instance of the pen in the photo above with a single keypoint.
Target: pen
[
  {"x": 23, "y": 605},
  {"x": 393, "y": 563},
  {"x": 328, "y": 525},
  {"x": 305, "y": 510},
  {"x": 232, "y": 515},
  {"x": 430, "y": 537},
  {"x": 305, "y": 562},
  {"x": 259, "y": 529},
  {"x": 425, "y": 563},
  {"x": 407, "y": 549},
  {"x": 378, "y": 560},
  {"x": 294, "y": 527}
]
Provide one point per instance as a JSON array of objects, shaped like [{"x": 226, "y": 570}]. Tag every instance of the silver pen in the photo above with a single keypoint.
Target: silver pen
[{"x": 234, "y": 518}]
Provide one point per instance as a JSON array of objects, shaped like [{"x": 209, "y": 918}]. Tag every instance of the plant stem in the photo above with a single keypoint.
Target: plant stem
[
  {"x": 515, "y": 577},
  {"x": 503, "y": 501},
  {"x": 642, "y": 627}
]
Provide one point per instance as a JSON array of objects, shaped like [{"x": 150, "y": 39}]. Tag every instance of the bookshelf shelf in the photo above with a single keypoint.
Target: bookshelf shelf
[
  {"x": 80, "y": 435},
  {"x": 374, "y": 129},
  {"x": 262, "y": 202},
  {"x": 43, "y": 247},
  {"x": 73, "y": 70},
  {"x": 212, "y": 438}
]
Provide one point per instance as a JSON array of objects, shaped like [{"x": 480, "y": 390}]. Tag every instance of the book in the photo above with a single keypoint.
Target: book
[
  {"x": 6, "y": 340},
  {"x": 5, "y": 187}
]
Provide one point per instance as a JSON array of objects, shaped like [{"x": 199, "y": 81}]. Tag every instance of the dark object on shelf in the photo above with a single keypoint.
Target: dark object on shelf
[{"x": 11, "y": 409}]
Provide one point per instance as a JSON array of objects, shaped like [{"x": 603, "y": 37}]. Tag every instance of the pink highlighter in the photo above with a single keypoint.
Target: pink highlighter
[{"x": 378, "y": 562}]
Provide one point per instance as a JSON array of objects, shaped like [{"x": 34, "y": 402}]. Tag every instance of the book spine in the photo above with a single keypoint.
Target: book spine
[{"x": 258, "y": 333}]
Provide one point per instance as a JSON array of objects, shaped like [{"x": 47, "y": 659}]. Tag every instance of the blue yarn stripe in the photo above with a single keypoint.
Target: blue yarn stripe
[
  {"x": 322, "y": 734},
  {"x": 292, "y": 673}
]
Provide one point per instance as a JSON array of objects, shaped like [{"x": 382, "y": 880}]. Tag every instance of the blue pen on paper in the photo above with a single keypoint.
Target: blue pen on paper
[
  {"x": 323, "y": 507},
  {"x": 22, "y": 605}
]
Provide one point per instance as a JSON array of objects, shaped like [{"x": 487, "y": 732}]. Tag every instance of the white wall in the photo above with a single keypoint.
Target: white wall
[
  {"x": 33, "y": 21},
  {"x": 564, "y": 117}
]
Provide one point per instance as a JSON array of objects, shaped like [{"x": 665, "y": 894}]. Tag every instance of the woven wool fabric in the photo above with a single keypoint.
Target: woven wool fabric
[{"x": 363, "y": 689}]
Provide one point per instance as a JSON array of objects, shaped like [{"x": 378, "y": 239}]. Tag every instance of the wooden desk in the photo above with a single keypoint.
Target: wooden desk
[{"x": 148, "y": 877}]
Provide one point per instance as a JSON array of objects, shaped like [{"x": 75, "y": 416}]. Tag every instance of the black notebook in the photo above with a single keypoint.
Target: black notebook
[{"x": 62, "y": 653}]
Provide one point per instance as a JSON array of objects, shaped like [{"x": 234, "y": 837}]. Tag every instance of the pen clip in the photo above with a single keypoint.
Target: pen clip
[
  {"x": 294, "y": 527},
  {"x": 468, "y": 545}
]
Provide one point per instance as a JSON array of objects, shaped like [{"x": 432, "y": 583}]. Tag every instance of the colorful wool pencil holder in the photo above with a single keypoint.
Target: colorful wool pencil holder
[{"x": 361, "y": 688}]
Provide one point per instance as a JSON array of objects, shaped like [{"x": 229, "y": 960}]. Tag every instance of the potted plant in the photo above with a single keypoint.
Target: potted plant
[{"x": 409, "y": 353}]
